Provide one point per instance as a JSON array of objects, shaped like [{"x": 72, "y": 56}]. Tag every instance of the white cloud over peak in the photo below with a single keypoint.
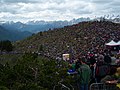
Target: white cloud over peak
[{"x": 24, "y": 10}]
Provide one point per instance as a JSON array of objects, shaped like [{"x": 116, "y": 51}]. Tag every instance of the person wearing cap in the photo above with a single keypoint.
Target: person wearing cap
[{"x": 84, "y": 73}]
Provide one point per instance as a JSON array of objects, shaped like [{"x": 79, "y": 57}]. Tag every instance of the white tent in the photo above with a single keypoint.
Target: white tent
[
  {"x": 111, "y": 43},
  {"x": 118, "y": 42}
]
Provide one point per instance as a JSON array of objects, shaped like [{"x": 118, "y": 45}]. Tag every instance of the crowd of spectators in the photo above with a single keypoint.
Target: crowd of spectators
[
  {"x": 83, "y": 39},
  {"x": 79, "y": 38}
]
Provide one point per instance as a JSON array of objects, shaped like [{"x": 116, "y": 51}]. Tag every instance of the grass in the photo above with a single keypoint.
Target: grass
[{"x": 9, "y": 58}]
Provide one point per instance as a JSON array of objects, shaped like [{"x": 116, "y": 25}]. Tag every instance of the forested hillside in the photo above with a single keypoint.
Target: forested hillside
[{"x": 31, "y": 72}]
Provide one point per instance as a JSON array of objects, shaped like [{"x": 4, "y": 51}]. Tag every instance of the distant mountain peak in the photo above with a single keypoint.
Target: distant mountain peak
[{"x": 35, "y": 26}]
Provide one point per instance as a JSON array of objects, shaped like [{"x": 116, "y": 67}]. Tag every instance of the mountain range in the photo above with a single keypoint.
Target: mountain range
[
  {"x": 17, "y": 30},
  {"x": 37, "y": 26},
  {"x": 14, "y": 31},
  {"x": 13, "y": 35}
]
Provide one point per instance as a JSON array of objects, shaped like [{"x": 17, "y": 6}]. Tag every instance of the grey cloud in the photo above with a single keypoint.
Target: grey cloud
[
  {"x": 101, "y": 1},
  {"x": 57, "y": 9},
  {"x": 115, "y": 3},
  {"x": 11, "y": 8},
  {"x": 82, "y": 12},
  {"x": 14, "y": 1},
  {"x": 31, "y": 1},
  {"x": 57, "y": 1},
  {"x": 108, "y": 6},
  {"x": 115, "y": 9}
]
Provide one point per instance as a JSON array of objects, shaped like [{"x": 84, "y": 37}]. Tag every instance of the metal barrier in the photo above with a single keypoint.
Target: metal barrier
[
  {"x": 102, "y": 86},
  {"x": 61, "y": 86}
]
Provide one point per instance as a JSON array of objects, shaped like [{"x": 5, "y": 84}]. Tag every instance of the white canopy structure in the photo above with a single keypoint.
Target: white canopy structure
[
  {"x": 118, "y": 42},
  {"x": 111, "y": 43}
]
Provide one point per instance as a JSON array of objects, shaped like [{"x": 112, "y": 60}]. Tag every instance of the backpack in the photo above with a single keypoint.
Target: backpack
[{"x": 102, "y": 70}]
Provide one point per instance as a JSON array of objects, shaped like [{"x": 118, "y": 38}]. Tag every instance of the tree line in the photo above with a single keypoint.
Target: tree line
[{"x": 6, "y": 45}]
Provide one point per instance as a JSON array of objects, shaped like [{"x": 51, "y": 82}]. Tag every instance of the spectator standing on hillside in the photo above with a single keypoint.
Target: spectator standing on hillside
[
  {"x": 113, "y": 60},
  {"x": 107, "y": 59},
  {"x": 93, "y": 79},
  {"x": 101, "y": 70},
  {"x": 113, "y": 78},
  {"x": 84, "y": 73},
  {"x": 110, "y": 76}
]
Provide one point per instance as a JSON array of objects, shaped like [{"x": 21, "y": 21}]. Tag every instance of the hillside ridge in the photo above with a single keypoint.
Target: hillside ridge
[{"x": 76, "y": 39}]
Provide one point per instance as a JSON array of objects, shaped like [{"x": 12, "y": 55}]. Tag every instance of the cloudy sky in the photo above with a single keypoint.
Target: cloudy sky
[{"x": 49, "y": 10}]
